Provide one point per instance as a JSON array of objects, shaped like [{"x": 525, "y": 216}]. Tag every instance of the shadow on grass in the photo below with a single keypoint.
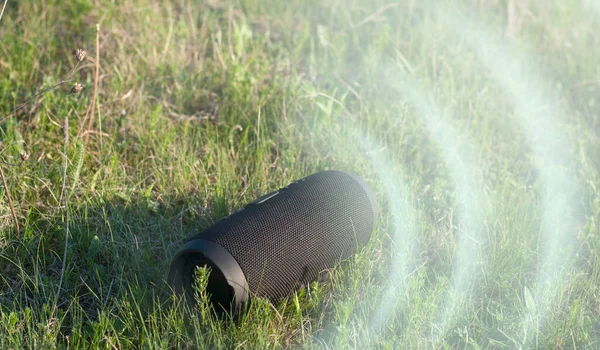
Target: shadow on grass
[{"x": 116, "y": 247}]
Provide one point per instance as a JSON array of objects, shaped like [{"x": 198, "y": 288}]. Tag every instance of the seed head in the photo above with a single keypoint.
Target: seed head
[
  {"x": 76, "y": 88},
  {"x": 80, "y": 55},
  {"x": 24, "y": 155}
]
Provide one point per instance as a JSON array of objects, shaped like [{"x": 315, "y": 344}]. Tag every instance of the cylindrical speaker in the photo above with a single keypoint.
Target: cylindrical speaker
[{"x": 280, "y": 241}]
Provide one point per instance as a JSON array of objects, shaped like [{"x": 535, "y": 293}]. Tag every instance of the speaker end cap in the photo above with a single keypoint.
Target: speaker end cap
[{"x": 227, "y": 285}]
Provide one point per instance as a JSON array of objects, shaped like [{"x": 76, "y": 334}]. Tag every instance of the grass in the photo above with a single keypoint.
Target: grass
[{"x": 203, "y": 106}]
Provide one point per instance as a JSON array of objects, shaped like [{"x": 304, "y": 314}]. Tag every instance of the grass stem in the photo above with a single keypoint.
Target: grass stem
[
  {"x": 3, "y": 7},
  {"x": 95, "y": 94},
  {"x": 10, "y": 203},
  {"x": 62, "y": 193}
]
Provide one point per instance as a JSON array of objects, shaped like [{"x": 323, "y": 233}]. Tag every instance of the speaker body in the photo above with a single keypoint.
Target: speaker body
[{"x": 280, "y": 241}]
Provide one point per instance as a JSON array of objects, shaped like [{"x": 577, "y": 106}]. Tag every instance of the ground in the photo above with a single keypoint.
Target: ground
[{"x": 476, "y": 123}]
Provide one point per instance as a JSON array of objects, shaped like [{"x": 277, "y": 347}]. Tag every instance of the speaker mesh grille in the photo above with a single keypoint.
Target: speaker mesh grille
[{"x": 291, "y": 237}]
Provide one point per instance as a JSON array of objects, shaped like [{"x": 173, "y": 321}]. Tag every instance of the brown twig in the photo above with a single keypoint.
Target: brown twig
[
  {"x": 95, "y": 94},
  {"x": 12, "y": 208}
]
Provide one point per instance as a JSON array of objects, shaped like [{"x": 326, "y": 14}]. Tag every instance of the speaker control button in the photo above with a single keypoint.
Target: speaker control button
[{"x": 265, "y": 198}]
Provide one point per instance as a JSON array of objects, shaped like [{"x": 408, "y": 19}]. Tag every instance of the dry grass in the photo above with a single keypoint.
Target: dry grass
[{"x": 186, "y": 111}]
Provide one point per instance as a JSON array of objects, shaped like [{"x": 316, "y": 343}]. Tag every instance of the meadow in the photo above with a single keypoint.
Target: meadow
[{"x": 476, "y": 122}]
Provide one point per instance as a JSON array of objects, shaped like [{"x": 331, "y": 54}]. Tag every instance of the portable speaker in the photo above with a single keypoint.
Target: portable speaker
[{"x": 280, "y": 241}]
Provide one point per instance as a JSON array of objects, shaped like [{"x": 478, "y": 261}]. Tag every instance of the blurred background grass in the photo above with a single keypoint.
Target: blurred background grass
[{"x": 204, "y": 105}]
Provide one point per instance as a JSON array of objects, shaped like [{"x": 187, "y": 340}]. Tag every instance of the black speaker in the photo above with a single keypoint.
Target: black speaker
[{"x": 280, "y": 241}]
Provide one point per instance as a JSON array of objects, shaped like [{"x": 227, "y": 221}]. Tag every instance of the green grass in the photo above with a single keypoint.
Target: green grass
[{"x": 203, "y": 106}]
